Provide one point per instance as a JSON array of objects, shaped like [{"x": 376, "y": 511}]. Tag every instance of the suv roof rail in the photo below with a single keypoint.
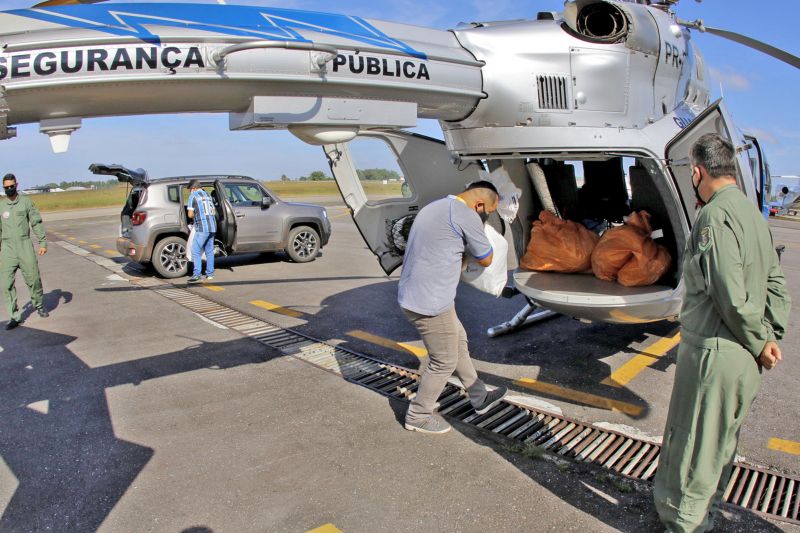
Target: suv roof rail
[{"x": 140, "y": 176}]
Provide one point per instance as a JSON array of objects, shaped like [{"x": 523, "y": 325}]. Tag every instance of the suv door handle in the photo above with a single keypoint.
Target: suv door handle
[{"x": 239, "y": 215}]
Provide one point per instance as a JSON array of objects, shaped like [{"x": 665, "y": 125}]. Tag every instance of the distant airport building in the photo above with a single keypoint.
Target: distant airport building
[{"x": 40, "y": 190}]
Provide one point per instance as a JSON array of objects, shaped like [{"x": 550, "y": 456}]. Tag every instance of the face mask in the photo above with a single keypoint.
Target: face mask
[
  {"x": 483, "y": 214},
  {"x": 11, "y": 191}
]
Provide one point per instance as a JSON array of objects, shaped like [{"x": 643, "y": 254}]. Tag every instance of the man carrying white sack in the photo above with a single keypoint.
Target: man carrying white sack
[{"x": 441, "y": 234}]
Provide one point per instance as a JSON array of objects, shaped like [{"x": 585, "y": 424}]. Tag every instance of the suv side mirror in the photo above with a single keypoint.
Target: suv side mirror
[{"x": 266, "y": 201}]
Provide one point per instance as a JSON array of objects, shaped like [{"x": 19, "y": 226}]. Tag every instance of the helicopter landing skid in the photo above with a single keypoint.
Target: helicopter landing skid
[{"x": 529, "y": 314}]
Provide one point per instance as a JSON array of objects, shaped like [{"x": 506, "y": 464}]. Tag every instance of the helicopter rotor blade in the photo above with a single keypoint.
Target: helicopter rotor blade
[
  {"x": 755, "y": 44},
  {"x": 50, "y": 3}
]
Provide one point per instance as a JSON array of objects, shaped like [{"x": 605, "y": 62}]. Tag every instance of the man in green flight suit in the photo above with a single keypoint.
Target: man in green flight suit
[
  {"x": 735, "y": 308},
  {"x": 17, "y": 216}
]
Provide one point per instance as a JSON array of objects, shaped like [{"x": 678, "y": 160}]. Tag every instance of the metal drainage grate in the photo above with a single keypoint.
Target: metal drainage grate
[{"x": 768, "y": 493}]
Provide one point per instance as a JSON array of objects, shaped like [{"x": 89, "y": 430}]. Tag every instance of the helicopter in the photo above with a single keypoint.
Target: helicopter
[{"x": 609, "y": 93}]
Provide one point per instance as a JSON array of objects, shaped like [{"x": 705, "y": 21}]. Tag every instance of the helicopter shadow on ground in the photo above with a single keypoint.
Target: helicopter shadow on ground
[
  {"x": 565, "y": 350},
  {"x": 559, "y": 351},
  {"x": 620, "y": 503},
  {"x": 58, "y": 438}
]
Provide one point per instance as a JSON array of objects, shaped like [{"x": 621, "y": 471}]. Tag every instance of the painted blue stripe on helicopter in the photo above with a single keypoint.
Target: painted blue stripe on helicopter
[{"x": 247, "y": 21}]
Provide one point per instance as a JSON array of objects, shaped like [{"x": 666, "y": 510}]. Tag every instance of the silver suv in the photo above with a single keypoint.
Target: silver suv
[{"x": 250, "y": 218}]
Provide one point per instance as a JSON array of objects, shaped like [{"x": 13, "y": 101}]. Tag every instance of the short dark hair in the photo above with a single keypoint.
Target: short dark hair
[
  {"x": 10, "y": 176},
  {"x": 482, "y": 184},
  {"x": 194, "y": 184},
  {"x": 716, "y": 154},
  {"x": 485, "y": 189}
]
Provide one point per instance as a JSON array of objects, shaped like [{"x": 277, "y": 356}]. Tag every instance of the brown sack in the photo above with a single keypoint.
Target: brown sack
[
  {"x": 559, "y": 246},
  {"x": 628, "y": 254}
]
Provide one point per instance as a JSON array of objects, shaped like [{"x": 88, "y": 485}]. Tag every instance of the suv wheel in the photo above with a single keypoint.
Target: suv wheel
[
  {"x": 303, "y": 244},
  {"x": 169, "y": 257}
]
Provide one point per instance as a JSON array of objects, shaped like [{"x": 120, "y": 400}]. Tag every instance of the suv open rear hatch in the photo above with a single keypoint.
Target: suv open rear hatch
[{"x": 124, "y": 175}]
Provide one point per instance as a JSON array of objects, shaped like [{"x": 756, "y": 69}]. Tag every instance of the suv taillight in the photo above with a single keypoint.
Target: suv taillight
[{"x": 138, "y": 217}]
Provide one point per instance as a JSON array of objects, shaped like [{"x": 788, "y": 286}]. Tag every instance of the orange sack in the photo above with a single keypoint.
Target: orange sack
[
  {"x": 559, "y": 246},
  {"x": 628, "y": 254}
]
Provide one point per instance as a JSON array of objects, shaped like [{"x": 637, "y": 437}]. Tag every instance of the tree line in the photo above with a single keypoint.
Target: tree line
[
  {"x": 108, "y": 184},
  {"x": 368, "y": 174}
]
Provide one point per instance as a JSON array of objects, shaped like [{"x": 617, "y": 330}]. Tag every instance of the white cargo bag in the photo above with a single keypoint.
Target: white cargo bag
[
  {"x": 189, "y": 245},
  {"x": 493, "y": 278},
  {"x": 509, "y": 193}
]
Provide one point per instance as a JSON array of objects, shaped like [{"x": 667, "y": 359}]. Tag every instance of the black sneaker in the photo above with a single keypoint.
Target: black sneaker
[
  {"x": 12, "y": 324},
  {"x": 195, "y": 279},
  {"x": 493, "y": 397},
  {"x": 433, "y": 425},
  {"x": 43, "y": 312}
]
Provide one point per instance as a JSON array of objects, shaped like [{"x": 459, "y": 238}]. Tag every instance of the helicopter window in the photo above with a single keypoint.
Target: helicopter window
[
  {"x": 604, "y": 194},
  {"x": 378, "y": 170}
]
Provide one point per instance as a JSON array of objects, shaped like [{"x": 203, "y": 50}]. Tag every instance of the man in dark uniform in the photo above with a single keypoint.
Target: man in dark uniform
[
  {"x": 18, "y": 216},
  {"x": 735, "y": 308}
]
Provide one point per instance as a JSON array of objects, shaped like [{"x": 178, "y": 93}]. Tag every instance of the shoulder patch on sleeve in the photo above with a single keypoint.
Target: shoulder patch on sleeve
[{"x": 706, "y": 239}]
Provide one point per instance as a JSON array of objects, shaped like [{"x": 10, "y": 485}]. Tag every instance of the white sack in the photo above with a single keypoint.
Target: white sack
[
  {"x": 509, "y": 193},
  {"x": 491, "y": 279},
  {"x": 189, "y": 245}
]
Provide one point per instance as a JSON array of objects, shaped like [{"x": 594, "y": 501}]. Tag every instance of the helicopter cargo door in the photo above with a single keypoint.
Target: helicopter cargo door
[
  {"x": 714, "y": 119},
  {"x": 383, "y": 209}
]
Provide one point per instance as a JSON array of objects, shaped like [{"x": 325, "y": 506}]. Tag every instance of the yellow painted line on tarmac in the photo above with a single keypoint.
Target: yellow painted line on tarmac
[
  {"x": 275, "y": 308},
  {"x": 388, "y": 343},
  {"x": 647, "y": 357},
  {"x": 786, "y": 446},
  {"x": 83, "y": 242},
  {"x": 112, "y": 252},
  {"x": 212, "y": 287},
  {"x": 327, "y": 528},
  {"x": 580, "y": 397},
  {"x": 95, "y": 246},
  {"x": 72, "y": 238}
]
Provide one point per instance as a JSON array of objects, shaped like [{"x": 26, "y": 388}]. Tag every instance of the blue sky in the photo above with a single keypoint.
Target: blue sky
[{"x": 761, "y": 93}]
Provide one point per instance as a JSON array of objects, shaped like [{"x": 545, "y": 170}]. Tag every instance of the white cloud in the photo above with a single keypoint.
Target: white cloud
[
  {"x": 792, "y": 135},
  {"x": 730, "y": 79},
  {"x": 763, "y": 135}
]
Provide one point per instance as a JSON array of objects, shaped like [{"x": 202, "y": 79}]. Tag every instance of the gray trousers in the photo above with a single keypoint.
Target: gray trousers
[{"x": 446, "y": 341}]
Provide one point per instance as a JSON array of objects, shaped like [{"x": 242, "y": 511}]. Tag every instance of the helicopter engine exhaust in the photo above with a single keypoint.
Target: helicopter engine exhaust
[{"x": 602, "y": 22}]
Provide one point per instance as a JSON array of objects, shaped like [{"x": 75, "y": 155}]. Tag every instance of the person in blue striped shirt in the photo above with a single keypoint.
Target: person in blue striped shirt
[{"x": 202, "y": 212}]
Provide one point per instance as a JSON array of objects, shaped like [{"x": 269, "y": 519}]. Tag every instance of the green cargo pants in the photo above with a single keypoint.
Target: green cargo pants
[
  {"x": 19, "y": 254},
  {"x": 716, "y": 381}
]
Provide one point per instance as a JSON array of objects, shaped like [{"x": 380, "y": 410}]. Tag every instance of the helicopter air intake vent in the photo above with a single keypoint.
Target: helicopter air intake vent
[{"x": 553, "y": 91}]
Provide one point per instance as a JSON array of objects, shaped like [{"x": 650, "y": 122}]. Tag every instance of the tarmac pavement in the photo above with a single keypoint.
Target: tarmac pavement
[{"x": 126, "y": 412}]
